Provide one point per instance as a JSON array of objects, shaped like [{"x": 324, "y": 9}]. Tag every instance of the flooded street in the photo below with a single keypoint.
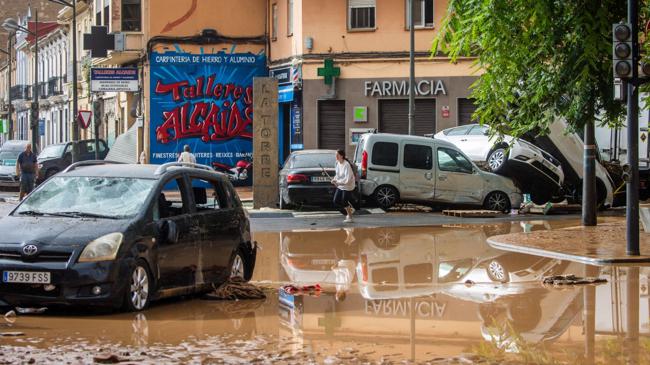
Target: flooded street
[{"x": 387, "y": 295}]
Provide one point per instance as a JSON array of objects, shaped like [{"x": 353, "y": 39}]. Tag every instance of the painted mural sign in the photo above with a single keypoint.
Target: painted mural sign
[{"x": 206, "y": 102}]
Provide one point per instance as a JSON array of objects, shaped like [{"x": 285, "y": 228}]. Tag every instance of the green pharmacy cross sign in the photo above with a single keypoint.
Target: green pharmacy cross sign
[{"x": 329, "y": 72}]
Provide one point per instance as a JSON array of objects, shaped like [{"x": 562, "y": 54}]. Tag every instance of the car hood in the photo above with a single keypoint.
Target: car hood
[
  {"x": 7, "y": 170},
  {"x": 69, "y": 232},
  {"x": 42, "y": 160},
  {"x": 500, "y": 182}
]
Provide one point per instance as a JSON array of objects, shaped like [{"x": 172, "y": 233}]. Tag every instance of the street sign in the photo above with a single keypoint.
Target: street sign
[
  {"x": 84, "y": 118},
  {"x": 98, "y": 41},
  {"x": 114, "y": 79},
  {"x": 41, "y": 127}
]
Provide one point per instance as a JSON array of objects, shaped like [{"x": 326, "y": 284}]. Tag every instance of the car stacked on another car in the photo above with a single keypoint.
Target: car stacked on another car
[
  {"x": 56, "y": 157},
  {"x": 122, "y": 235},
  {"x": 305, "y": 178},
  {"x": 536, "y": 171}
]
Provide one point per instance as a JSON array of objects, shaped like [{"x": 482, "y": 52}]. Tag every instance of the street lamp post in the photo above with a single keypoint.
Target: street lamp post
[
  {"x": 8, "y": 53},
  {"x": 13, "y": 26},
  {"x": 75, "y": 106}
]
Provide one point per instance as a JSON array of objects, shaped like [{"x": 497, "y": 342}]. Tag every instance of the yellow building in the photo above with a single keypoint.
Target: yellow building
[{"x": 361, "y": 47}]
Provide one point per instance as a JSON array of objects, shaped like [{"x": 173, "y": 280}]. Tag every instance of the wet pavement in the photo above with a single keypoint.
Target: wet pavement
[{"x": 389, "y": 295}]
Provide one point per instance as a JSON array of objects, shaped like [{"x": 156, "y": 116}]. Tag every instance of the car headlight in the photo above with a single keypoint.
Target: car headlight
[{"x": 103, "y": 248}]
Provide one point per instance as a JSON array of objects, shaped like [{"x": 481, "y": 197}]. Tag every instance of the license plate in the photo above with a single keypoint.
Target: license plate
[
  {"x": 320, "y": 179},
  {"x": 26, "y": 277}
]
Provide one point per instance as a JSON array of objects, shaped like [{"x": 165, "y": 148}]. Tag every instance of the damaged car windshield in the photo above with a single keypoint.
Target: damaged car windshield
[{"x": 88, "y": 197}]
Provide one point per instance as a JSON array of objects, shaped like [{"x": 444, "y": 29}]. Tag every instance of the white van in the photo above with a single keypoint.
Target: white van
[{"x": 405, "y": 168}]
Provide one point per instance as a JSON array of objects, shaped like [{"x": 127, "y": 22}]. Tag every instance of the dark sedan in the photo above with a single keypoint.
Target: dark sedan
[
  {"x": 306, "y": 178},
  {"x": 56, "y": 157},
  {"x": 120, "y": 235}
]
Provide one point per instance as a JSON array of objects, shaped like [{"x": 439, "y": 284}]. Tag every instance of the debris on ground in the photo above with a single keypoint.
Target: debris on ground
[
  {"x": 10, "y": 316},
  {"x": 469, "y": 283},
  {"x": 557, "y": 280},
  {"x": 107, "y": 359},
  {"x": 311, "y": 290},
  {"x": 11, "y": 334},
  {"x": 236, "y": 289},
  {"x": 31, "y": 310}
]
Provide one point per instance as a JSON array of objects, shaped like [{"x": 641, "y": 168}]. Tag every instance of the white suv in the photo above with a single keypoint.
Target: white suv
[{"x": 537, "y": 172}]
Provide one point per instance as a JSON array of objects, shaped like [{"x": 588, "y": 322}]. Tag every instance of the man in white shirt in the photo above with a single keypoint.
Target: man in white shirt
[
  {"x": 345, "y": 183},
  {"x": 186, "y": 155}
]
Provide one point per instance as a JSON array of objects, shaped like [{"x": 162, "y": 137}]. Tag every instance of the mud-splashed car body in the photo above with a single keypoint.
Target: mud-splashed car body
[{"x": 120, "y": 235}]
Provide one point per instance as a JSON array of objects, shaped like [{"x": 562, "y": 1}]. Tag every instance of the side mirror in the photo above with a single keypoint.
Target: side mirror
[{"x": 166, "y": 231}]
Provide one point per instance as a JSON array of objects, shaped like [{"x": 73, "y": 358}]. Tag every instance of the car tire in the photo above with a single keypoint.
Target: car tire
[
  {"x": 387, "y": 239},
  {"x": 540, "y": 198},
  {"x": 386, "y": 196},
  {"x": 138, "y": 292},
  {"x": 239, "y": 267},
  {"x": 497, "y": 200},
  {"x": 497, "y": 159},
  {"x": 497, "y": 272}
]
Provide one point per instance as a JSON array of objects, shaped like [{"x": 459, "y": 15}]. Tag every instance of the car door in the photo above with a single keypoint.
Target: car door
[
  {"x": 476, "y": 143},
  {"x": 416, "y": 172},
  {"x": 219, "y": 228},
  {"x": 457, "y": 135},
  {"x": 176, "y": 258},
  {"x": 457, "y": 179}
]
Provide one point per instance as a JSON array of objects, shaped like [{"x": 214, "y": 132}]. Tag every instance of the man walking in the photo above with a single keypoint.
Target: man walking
[
  {"x": 187, "y": 155},
  {"x": 27, "y": 169}
]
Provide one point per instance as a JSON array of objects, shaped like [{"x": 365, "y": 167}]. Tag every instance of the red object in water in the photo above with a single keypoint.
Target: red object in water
[{"x": 314, "y": 290}]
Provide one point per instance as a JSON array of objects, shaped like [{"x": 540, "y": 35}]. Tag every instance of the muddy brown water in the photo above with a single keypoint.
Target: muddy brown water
[{"x": 424, "y": 295}]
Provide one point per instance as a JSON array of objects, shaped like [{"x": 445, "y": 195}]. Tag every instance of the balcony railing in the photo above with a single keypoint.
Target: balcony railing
[
  {"x": 55, "y": 86},
  {"x": 21, "y": 92}
]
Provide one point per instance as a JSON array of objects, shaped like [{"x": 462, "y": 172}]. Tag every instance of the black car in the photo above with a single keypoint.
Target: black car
[
  {"x": 56, "y": 157},
  {"x": 122, "y": 235},
  {"x": 306, "y": 178}
]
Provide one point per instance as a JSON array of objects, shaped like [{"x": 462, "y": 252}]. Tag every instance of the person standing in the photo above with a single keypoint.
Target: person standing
[
  {"x": 345, "y": 183},
  {"x": 187, "y": 155},
  {"x": 27, "y": 169}
]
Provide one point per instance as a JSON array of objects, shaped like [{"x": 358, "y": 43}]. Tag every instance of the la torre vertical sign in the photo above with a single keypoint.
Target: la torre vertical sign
[{"x": 265, "y": 142}]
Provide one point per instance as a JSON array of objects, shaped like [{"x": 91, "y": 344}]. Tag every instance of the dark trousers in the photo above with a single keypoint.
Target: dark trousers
[{"x": 343, "y": 198}]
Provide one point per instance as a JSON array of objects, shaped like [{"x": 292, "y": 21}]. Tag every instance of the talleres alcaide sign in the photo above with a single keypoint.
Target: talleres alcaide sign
[{"x": 204, "y": 101}]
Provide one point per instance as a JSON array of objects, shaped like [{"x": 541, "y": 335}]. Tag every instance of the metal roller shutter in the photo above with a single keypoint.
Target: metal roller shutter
[
  {"x": 466, "y": 108},
  {"x": 331, "y": 124},
  {"x": 394, "y": 116}
]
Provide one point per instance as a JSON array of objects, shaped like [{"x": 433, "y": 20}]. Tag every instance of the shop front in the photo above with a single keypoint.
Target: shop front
[
  {"x": 336, "y": 114},
  {"x": 290, "y": 132}
]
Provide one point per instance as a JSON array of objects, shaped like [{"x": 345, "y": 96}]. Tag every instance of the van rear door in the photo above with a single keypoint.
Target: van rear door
[{"x": 417, "y": 177}]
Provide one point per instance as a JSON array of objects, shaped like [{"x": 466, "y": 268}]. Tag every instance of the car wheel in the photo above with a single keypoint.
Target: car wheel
[
  {"x": 540, "y": 198},
  {"x": 498, "y": 201},
  {"x": 138, "y": 292},
  {"x": 238, "y": 267},
  {"x": 497, "y": 272},
  {"x": 497, "y": 159},
  {"x": 386, "y": 196},
  {"x": 387, "y": 239}
]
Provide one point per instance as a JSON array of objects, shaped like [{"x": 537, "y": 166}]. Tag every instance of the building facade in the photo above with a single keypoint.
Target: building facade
[{"x": 343, "y": 68}]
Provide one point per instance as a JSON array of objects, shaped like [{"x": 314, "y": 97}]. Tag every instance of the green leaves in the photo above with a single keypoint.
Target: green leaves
[{"x": 540, "y": 59}]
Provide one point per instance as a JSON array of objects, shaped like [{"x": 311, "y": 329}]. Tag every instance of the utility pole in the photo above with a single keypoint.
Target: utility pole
[
  {"x": 9, "y": 107},
  {"x": 632, "y": 188},
  {"x": 75, "y": 103},
  {"x": 35, "y": 108},
  {"x": 412, "y": 68}
]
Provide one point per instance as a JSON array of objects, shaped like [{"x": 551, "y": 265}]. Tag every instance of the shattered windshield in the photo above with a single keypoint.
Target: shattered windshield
[{"x": 99, "y": 197}]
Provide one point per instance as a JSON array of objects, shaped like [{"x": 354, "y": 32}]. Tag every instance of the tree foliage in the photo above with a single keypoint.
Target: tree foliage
[{"x": 538, "y": 60}]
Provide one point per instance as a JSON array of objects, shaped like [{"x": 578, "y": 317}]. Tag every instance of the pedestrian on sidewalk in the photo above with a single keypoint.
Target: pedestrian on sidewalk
[
  {"x": 345, "y": 183},
  {"x": 187, "y": 155},
  {"x": 27, "y": 169}
]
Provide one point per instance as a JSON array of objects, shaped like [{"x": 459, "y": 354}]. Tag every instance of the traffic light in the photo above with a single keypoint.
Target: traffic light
[{"x": 622, "y": 50}]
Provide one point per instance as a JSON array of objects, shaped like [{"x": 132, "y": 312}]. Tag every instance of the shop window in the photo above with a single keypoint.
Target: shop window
[
  {"x": 131, "y": 15},
  {"x": 418, "y": 157},
  {"x": 274, "y": 22},
  {"x": 384, "y": 154},
  {"x": 361, "y": 14},
  {"x": 423, "y": 13},
  {"x": 289, "y": 18}
]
